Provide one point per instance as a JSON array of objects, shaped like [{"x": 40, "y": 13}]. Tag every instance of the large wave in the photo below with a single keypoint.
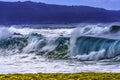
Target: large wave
[
  {"x": 91, "y": 42},
  {"x": 95, "y": 42}
]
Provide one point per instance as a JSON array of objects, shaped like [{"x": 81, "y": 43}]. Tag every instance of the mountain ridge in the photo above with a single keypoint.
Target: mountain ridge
[{"x": 41, "y": 13}]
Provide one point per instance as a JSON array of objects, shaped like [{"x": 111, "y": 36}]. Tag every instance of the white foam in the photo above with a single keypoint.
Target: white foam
[
  {"x": 50, "y": 44},
  {"x": 29, "y": 63},
  {"x": 4, "y": 33},
  {"x": 92, "y": 56},
  {"x": 45, "y": 32},
  {"x": 32, "y": 46}
]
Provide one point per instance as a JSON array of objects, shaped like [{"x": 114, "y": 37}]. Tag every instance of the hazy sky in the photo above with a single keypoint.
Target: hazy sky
[{"x": 108, "y": 4}]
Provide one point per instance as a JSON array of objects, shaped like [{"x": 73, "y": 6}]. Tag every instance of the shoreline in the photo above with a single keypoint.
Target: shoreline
[{"x": 62, "y": 76}]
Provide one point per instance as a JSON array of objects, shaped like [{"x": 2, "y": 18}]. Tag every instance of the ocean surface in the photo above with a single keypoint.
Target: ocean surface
[{"x": 89, "y": 48}]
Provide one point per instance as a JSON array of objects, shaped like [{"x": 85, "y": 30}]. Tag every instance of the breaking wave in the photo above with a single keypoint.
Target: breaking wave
[{"x": 91, "y": 42}]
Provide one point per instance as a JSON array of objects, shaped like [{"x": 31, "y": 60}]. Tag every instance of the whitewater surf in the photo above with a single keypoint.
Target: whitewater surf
[{"x": 91, "y": 48}]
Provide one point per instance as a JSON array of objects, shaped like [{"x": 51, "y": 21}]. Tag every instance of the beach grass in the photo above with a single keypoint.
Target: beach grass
[{"x": 61, "y": 76}]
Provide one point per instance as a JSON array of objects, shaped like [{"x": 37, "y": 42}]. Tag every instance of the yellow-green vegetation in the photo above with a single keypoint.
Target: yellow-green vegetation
[{"x": 76, "y": 76}]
